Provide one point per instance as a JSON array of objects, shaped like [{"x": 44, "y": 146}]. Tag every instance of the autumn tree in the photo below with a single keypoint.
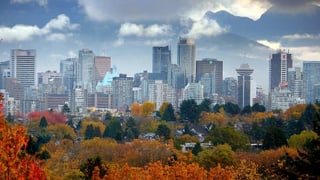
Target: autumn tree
[
  {"x": 136, "y": 109},
  {"x": 15, "y": 163},
  {"x": 189, "y": 111},
  {"x": 308, "y": 116},
  {"x": 221, "y": 154},
  {"x": 88, "y": 167},
  {"x": 301, "y": 140},
  {"x": 148, "y": 108},
  {"x": 229, "y": 135}
]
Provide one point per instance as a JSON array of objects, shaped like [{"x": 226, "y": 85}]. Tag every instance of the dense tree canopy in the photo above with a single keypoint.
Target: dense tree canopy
[{"x": 189, "y": 111}]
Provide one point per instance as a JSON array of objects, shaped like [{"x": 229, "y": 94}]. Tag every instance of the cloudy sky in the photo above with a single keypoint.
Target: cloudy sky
[{"x": 126, "y": 30}]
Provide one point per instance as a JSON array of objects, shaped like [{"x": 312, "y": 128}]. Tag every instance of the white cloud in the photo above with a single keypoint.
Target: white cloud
[
  {"x": 166, "y": 10},
  {"x": 57, "y": 37},
  {"x": 72, "y": 54},
  {"x": 131, "y": 29},
  {"x": 26, "y": 32},
  {"x": 271, "y": 44},
  {"x": 205, "y": 27},
  {"x": 19, "y": 33},
  {"x": 305, "y": 53},
  {"x": 40, "y": 2},
  {"x": 301, "y": 36}
]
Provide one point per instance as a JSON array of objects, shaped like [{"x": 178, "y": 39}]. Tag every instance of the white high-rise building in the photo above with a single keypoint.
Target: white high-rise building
[
  {"x": 23, "y": 66},
  {"x": 193, "y": 91},
  {"x": 160, "y": 92}
]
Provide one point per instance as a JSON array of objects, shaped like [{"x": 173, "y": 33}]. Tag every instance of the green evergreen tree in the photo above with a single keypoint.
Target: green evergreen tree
[
  {"x": 168, "y": 114},
  {"x": 96, "y": 132},
  {"x": 308, "y": 116},
  {"x": 197, "y": 148},
  {"x": 44, "y": 155},
  {"x": 216, "y": 108},
  {"x": 274, "y": 138},
  {"x": 131, "y": 130},
  {"x": 189, "y": 111},
  {"x": 246, "y": 110},
  {"x": 89, "y": 132},
  {"x": 258, "y": 108},
  {"x": 108, "y": 116},
  {"x": 231, "y": 108},
  {"x": 114, "y": 130},
  {"x": 205, "y": 105},
  {"x": 65, "y": 108},
  {"x": 163, "y": 131},
  {"x": 43, "y": 122}
]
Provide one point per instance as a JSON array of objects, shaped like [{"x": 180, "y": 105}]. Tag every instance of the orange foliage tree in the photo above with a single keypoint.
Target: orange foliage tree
[
  {"x": 136, "y": 109},
  {"x": 14, "y": 162},
  {"x": 147, "y": 108}
]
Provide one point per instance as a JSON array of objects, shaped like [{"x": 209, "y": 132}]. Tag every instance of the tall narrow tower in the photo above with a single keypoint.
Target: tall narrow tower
[
  {"x": 244, "y": 85},
  {"x": 23, "y": 66},
  {"x": 187, "y": 58},
  {"x": 86, "y": 70}
]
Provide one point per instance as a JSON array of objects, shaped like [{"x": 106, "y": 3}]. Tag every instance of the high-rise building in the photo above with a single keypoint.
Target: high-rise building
[
  {"x": 295, "y": 82},
  {"x": 86, "y": 70},
  {"x": 279, "y": 65},
  {"x": 161, "y": 58},
  {"x": 23, "y": 66},
  {"x": 230, "y": 89},
  {"x": 244, "y": 85},
  {"x": 193, "y": 91},
  {"x": 68, "y": 72},
  {"x": 311, "y": 77},
  {"x": 160, "y": 92},
  {"x": 187, "y": 58},
  {"x": 4, "y": 73},
  {"x": 281, "y": 98},
  {"x": 214, "y": 68},
  {"x": 122, "y": 94},
  {"x": 176, "y": 78},
  {"x": 102, "y": 65}
]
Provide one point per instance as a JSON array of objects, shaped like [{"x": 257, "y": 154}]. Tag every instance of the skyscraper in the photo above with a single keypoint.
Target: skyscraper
[
  {"x": 229, "y": 90},
  {"x": 244, "y": 85},
  {"x": 86, "y": 70},
  {"x": 68, "y": 72},
  {"x": 311, "y": 78},
  {"x": 187, "y": 58},
  {"x": 279, "y": 64},
  {"x": 23, "y": 66},
  {"x": 214, "y": 68},
  {"x": 161, "y": 58}
]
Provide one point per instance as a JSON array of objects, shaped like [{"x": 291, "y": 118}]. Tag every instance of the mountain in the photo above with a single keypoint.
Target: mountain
[{"x": 271, "y": 25}]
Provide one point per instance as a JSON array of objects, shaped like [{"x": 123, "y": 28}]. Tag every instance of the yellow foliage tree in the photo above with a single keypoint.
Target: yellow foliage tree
[
  {"x": 61, "y": 131},
  {"x": 147, "y": 108}
]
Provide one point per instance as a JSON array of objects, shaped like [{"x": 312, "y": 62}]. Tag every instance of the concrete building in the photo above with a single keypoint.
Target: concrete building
[
  {"x": 193, "y": 91},
  {"x": 160, "y": 92},
  {"x": 122, "y": 94},
  {"x": 214, "y": 68},
  {"x": 79, "y": 100},
  {"x": 23, "y": 66},
  {"x": 187, "y": 58},
  {"x": 244, "y": 85},
  {"x": 4, "y": 73},
  {"x": 176, "y": 77},
  {"x": 311, "y": 77},
  {"x": 208, "y": 82},
  {"x": 281, "y": 98}
]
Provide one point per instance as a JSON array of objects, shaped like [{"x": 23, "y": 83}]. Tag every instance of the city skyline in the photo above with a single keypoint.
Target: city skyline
[{"x": 64, "y": 30}]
